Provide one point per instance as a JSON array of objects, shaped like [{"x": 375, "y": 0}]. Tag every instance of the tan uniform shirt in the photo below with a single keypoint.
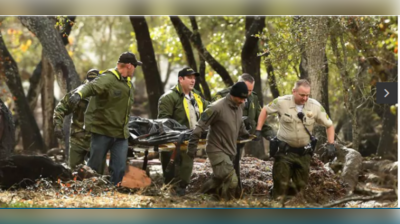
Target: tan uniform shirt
[
  {"x": 291, "y": 130},
  {"x": 225, "y": 120}
]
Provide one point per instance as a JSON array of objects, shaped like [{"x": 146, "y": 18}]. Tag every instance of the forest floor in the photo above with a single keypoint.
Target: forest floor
[{"x": 324, "y": 188}]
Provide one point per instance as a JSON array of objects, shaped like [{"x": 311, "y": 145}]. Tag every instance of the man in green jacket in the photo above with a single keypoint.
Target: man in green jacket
[
  {"x": 185, "y": 105},
  {"x": 108, "y": 114},
  {"x": 252, "y": 110},
  {"x": 79, "y": 145},
  {"x": 224, "y": 117}
]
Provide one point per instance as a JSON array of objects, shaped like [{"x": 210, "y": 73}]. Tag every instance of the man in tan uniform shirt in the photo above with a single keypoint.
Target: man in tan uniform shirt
[{"x": 292, "y": 161}]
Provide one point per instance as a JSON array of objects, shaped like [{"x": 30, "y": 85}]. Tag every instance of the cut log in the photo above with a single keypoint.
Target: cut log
[{"x": 135, "y": 178}]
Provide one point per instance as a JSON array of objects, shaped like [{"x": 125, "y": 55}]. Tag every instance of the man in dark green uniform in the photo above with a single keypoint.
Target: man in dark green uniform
[
  {"x": 108, "y": 115},
  {"x": 185, "y": 105},
  {"x": 79, "y": 138},
  {"x": 252, "y": 110},
  {"x": 224, "y": 117}
]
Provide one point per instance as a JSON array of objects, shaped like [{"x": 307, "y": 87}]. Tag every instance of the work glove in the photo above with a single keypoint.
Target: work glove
[
  {"x": 58, "y": 132},
  {"x": 330, "y": 152},
  {"x": 258, "y": 135},
  {"x": 74, "y": 99}
]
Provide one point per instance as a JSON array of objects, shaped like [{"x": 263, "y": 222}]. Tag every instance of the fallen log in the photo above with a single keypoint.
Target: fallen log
[{"x": 22, "y": 170}]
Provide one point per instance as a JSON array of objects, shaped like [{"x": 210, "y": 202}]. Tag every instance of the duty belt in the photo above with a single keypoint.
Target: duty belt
[{"x": 299, "y": 150}]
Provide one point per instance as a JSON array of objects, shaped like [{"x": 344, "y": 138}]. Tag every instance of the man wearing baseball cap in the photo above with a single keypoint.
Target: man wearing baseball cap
[
  {"x": 185, "y": 105},
  {"x": 79, "y": 145},
  {"x": 224, "y": 119},
  {"x": 109, "y": 115}
]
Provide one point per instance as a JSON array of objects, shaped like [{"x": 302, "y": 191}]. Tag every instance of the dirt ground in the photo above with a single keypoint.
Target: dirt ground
[{"x": 323, "y": 188}]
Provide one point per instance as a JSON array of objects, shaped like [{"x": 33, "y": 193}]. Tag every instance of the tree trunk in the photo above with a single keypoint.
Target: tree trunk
[
  {"x": 35, "y": 86},
  {"x": 202, "y": 71},
  {"x": 389, "y": 123},
  {"x": 271, "y": 79},
  {"x": 315, "y": 53},
  {"x": 196, "y": 41},
  {"x": 325, "y": 86},
  {"x": 7, "y": 131},
  {"x": 386, "y": 139},
  {"x": 48, "y": 104},
  {"x": 152, "y": 77},
  {"x": 314, "y": 65},
  {"x": 35, "y": 82},
  {"x": 201, "y": 79},
  {"x": 187, "y": 47},
  {"x": 31, "y": 138},
  {"x": 54, "y": 50},
  {"x": 250, "y": 61}
]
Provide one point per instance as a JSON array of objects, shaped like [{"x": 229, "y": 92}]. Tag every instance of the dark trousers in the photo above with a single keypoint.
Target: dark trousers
[{"x": 290, "y": 169}]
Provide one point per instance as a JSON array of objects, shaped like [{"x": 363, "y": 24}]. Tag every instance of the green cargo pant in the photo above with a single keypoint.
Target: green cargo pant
[
  {"x": 77, "y": 154},
  {"x": 184, "y": 172},
  {"x": 290, "y": 169},
  {"x": 224, "y": 180}
]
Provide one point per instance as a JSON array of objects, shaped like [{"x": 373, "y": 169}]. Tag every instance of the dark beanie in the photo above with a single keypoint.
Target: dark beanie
[
  {"x": 239, "y": 89},
  {"x": 92, "y": 74}
]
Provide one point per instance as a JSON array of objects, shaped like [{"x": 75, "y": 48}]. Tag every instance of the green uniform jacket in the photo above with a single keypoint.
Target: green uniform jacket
[
  {"x": 108, "y": 112},
  {"x": 251, "y": 110},
  {"x": 173, "y": 105},
  {"x": 78, "y": 135}
]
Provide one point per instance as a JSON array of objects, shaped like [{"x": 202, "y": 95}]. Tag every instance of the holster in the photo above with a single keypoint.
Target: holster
[{"x": 274, "y": 144}]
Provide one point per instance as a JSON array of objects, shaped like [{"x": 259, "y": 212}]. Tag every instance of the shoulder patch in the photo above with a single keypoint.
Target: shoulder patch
[
  {"x": 205, "y": 116},
  {"x": 327, "y": 117},
  {"x": 275, "y": 101},
  {"x": 323, "y": 110}
]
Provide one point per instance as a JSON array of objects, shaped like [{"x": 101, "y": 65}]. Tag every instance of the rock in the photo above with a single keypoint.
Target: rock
[{"x": 352, "y": 165}]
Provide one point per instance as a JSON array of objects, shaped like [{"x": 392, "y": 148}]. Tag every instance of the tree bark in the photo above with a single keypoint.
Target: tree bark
[
  {"x": 7, "y": 131},
  {"x": 313, "y": 65},
  {"x": 187, "y": 47},
  {"x": 152, "y": 77},
  {"x": 386, "y": 139},
  {"x": 196, "y": 41},
  {"x": 201, "y": 79},
  {"x": 271, "y": 79},
  {"x": 35, "y": 86},
  {"x": 48, "y": 103},
  {"x": 54, "y": 50},
  {"x": 250, "y": 61},
  {"x": 202, "y": 71},
  {"x": 35, "y": 82},
  {"x": 31, "y": 138}
]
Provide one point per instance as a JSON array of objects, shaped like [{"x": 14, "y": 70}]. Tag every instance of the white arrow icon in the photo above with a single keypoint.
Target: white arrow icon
[{"x": 387, "y": 93}]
